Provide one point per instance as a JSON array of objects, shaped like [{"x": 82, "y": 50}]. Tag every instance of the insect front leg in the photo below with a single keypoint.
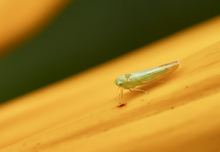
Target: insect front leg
[
  {"x": 121, "y": 93},
  {"x": 121, "y": 102}
]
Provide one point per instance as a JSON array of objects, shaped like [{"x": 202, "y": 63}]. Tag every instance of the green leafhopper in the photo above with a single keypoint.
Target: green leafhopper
[{"x": 132, "y": 81}]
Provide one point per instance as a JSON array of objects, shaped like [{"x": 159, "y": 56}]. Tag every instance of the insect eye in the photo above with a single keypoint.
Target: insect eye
[{"x": 120, "y": 83}]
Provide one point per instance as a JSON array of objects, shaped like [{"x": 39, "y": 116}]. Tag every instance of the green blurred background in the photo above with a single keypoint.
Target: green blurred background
[{"x": 89, "y": 32}]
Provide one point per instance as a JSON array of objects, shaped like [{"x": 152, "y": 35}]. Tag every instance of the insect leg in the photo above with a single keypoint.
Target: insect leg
[
  {"x": 121, "y": 102},
  {"x": 121, "y": 93},
  {"x": 138, "y": 90}
]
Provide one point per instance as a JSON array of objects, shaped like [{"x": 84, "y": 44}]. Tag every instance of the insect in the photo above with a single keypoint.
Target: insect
[{"x": 132, "y": 81}]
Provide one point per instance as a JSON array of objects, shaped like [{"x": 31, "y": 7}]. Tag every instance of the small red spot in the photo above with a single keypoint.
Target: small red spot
[{"x": 121, "y": 105}]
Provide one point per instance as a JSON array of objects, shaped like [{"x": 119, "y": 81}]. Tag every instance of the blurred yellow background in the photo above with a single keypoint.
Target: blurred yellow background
[
  {"x": 81, "y": 114},
  {"x": 86, "y": 43}
]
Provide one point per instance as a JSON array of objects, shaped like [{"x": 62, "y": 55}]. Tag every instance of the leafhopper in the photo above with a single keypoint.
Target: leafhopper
[{"x": 133, "y": 81}]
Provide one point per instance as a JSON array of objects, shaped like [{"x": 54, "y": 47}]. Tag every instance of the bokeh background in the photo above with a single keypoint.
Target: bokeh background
[{"x": 85, "y": 33}]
